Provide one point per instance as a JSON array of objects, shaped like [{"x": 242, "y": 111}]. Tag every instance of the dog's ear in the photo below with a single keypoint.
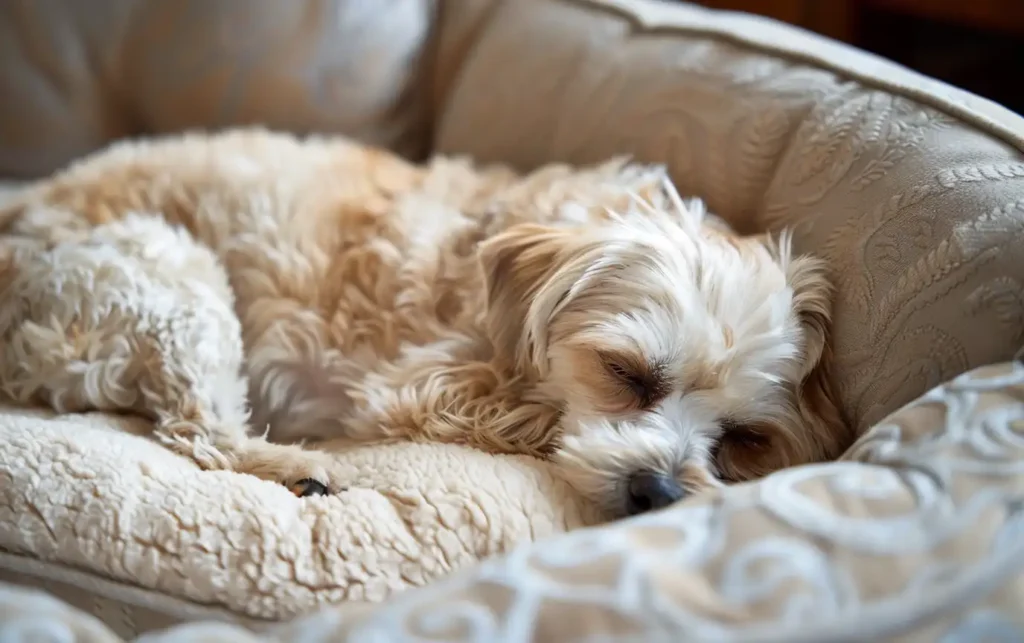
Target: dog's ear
[
  {"x": 517, "y": 266},
  {"x": 817, "y": 430},
  {"x": 817, "y": 399},
  {"x": 812, "y": 305}
]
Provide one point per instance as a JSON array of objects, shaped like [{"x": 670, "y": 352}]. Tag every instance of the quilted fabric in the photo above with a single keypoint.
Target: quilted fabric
[
  {"x": 77, "y": 75},
  {"x": 912, "y": 190}
]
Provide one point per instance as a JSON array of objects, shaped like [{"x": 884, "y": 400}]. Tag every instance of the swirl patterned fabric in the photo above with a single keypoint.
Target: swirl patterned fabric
[
  {"x": 912, "y": 190},
  {"x": 915, "y": 536}
]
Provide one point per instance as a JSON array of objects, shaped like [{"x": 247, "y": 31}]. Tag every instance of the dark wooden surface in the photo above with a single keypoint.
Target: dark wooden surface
[{"x": 996, "y": 15}]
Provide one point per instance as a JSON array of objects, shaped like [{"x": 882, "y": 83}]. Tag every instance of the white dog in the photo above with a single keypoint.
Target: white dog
[{"x": 587, "y": 316}]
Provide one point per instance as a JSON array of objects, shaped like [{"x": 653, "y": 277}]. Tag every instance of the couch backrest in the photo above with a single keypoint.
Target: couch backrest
[{"x": 75, "y": 75}]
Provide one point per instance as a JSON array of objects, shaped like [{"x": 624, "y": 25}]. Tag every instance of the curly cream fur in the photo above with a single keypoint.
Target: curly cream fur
[{"x": 380, "y": 300}]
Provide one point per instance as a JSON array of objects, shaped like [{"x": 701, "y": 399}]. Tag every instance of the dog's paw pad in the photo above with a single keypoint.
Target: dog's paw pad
[{"x": 309, "y": 487}]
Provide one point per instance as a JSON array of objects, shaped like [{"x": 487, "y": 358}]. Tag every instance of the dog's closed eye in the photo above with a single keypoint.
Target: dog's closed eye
[
  {"x": 645, "y": 383},
  {"x": 740, "y": 445},
  {"x": 633, "y": 380}
]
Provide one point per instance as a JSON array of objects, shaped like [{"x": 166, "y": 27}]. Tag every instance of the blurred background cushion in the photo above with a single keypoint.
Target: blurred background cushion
[{"x": 76, "y": 75}]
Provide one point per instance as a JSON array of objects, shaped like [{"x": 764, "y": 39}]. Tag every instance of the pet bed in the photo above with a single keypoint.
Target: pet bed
[
  {"x": 913, "y": 191},
  {"x": 89, "y": 492},
  {"x": 914, "y": 537}
]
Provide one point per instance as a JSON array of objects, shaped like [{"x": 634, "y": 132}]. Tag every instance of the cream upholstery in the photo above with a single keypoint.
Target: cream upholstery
[
  {"x": 76, "y": 75},
  {"x": 913, "y": 190},
  {"x": 93, "y": 492}
]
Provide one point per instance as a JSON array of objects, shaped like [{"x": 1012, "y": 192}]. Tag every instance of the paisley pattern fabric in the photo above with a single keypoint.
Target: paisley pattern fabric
[{"x": 912, "y": 190}]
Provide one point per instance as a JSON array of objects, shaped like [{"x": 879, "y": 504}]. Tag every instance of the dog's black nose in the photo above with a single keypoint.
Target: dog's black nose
[{"x": 648, "y": 491}]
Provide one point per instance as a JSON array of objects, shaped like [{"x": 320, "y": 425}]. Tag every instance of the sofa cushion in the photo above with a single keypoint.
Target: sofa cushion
[
  {"x": 911, "y": 189},
  {"x": 76, "y": 75}
]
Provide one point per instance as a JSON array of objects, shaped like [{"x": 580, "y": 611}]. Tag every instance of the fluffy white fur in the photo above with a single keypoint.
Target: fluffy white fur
[{"x": 585, "y": 315}]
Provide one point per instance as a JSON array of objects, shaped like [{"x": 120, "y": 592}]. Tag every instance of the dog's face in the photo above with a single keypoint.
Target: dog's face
[{"x": 680, "y": 355}]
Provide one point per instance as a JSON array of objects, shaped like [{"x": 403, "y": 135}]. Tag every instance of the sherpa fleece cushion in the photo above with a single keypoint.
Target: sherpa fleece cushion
[{"x": 92, "y": 492}]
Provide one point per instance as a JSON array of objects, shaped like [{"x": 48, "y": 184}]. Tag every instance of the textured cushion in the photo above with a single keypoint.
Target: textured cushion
[
  {"x": 915, "y": 537},
  {"x": 912, "y": 190},
  {"x": 76, "y": 75},
  {"x": 88, "y": 492}
]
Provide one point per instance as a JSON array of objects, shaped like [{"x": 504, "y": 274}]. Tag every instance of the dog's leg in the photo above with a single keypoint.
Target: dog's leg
[{"x": 135, "y": 316}]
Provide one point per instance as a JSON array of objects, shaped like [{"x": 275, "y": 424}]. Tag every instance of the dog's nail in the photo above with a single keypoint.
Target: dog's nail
[{"x": 309, "y": 487}]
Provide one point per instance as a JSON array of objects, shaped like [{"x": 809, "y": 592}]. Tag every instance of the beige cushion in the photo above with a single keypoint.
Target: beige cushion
[
  {"x": 913, "y": 190},
  {"x": 89, "y": 497},
  {"x": 916, "y": 537},
  {"x": 76, "y": 75}
]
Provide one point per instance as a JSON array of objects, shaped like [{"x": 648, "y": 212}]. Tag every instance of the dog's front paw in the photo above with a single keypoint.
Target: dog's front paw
[
  {"x": 308, "y": 487},
  {"x": 304, "y": 472}
]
